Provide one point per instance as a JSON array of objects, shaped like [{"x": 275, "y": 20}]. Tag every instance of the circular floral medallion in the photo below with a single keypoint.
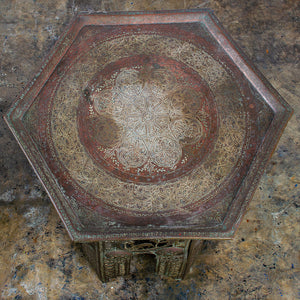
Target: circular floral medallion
[{"x": 147, "y": 119}]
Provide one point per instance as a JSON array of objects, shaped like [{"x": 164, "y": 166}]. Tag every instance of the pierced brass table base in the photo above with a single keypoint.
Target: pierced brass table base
[{"x": 111, "y": 259}]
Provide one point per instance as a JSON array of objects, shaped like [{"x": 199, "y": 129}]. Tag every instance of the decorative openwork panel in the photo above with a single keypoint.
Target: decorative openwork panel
[{"x": 148, "y": 125}]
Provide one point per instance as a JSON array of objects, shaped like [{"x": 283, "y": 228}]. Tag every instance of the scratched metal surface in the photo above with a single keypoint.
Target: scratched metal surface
[
  {"x": 148, "y": 125},
  {"x": 38, "y": 259}
]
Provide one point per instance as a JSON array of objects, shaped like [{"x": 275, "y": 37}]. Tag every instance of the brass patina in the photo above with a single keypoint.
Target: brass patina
[{"x": 149, "y": 131}]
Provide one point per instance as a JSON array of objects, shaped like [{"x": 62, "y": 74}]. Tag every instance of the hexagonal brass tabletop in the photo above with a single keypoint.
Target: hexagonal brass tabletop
[{"x": 148, "y": 125}]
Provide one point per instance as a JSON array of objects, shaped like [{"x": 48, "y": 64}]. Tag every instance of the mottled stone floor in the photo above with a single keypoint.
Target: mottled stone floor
[{"x": 38, "y": 260}]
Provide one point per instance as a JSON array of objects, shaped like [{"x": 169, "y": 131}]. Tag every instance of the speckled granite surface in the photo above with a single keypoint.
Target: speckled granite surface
[{"x": 38, "y": 260}]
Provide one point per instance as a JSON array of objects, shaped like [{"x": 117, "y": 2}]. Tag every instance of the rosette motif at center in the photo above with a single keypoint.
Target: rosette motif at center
[{"x": 155, "y": 123}]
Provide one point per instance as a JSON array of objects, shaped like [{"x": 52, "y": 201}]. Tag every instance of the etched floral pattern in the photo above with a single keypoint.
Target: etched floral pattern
[
  {"x": 153, "y": 124},
  {"x": 105, "y": 178}
]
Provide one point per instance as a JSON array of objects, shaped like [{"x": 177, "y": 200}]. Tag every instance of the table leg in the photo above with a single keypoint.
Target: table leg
[{"x": 111, "y": 259}]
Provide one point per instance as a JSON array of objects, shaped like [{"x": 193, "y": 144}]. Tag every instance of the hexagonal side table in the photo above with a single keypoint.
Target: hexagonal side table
[{"x": 149, "y": 131}]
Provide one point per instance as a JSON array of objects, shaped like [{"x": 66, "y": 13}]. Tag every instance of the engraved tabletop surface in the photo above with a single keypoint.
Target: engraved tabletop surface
[{"x": 150, "y": 129}]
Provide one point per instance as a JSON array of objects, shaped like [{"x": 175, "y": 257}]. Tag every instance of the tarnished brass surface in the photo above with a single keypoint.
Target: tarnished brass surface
[
  {"x": 148, "y": 126},
  {"x": 112, "y": 259}
]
